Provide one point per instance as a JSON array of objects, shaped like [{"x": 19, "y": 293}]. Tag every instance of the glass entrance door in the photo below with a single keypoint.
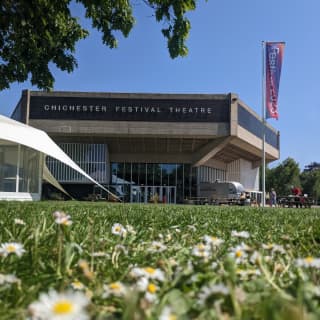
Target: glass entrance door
[{"x": 153, "y": 194}]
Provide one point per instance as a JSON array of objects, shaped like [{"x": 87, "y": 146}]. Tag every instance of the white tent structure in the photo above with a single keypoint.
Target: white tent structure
[{"x": 22, "y": 153}]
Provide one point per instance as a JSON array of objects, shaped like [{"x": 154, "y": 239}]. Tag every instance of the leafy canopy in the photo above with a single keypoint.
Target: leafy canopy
[{"x": 34, "y": 33}]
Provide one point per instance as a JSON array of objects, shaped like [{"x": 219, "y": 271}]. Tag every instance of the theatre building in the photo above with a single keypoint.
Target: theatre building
[{"x": 142, "y": 145}]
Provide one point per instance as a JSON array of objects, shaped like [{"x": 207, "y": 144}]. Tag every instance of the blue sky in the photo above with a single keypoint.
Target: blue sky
[{"x": 225, "y": 56}]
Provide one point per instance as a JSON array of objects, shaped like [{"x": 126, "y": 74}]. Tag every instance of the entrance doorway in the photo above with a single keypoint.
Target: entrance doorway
[{"x": 147, "y": 194}]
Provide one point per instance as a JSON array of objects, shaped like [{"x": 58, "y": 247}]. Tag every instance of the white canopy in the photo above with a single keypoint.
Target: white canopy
[{"x": 20, "y": 133}]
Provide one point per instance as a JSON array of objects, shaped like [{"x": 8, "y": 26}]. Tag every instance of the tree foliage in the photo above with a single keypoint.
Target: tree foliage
[
  {"x": 310, "y": 179},
  {"x": 287, "y": 174},
  {"x": 283, "y": 177},
  {"x": 35, "y": 33}
]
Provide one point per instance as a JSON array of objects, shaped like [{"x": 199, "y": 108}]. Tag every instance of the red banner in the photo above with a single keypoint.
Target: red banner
[{"x": 274, "y": 55}]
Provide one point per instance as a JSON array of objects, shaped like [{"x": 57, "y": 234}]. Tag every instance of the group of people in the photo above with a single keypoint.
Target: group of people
[{"x": 295, "y": 191}]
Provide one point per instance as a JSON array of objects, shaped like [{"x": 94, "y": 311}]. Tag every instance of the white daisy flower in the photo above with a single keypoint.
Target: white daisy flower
[
  {"x": 214, "y": 289},
  {"x": 268, "y": 246},
  {"x": 150, "y": 289},
  {"x": 114, "y": 289},
  {"x": 19, "y": 221},
  {"x": 248, "y": 273},
  {"x": 8, "y": 279},
  {"x": 119, "y": 230},
  {"x": 11, "y": 247},
  {"x": 278, "y": 249},
  {"x": 167, "y": 314},
  {"x": 274, "y": 248},
  {"x": 239, "y": 253},
  {"x": 308, "y": 262},
  {"x": 255, "y": 257},
  {"x": 68, "y": 305},
  {"x": 151, "y": 292},
  {"x": 213, "y": 241},
  {"x": 201, "y": 250},
  {"x": 142, "y": 284},
  {"x": 62, "y": 218},
  {"x": 241, "y": 234},
  {"x": 149, "y": 273},
  {"x": 157, "y": 246},
  {"x": 78, "y": 285},
  {"x": 130, "y": 229}
]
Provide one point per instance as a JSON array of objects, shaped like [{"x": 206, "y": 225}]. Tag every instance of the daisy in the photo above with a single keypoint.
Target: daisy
[
  {"x": 62, "y": 218},
  {"x": 8, "y": 279},
  {"x": 213, "y": 241},
  {"x": 130, "y": 229},
  {"x": 77, "y": 285},
  {"x": 274, "y": 248},
  {"x": 248, "y": 273},
  {"x": 241, "y": 234},
  {"x": 114, "y": 289},
  {"x": 167, "y": 314},
  {"x": 239, "y": 253},
  {"x": 119, "y": 230},
  {"x": 53, "y": 306},
  {"x": 151, "y": 292},
  {"x": 214, "y": 289},
  {"x": 11, "y": 247},
  {"x": 149, "y": 273},
  {"x": 157, "y": 246},
  {"x": 255, "y": 257},
  {"x": 150, "y": 289},
  {"x": 201, "y": 250},
  {"x": 19, "y": 221},
  {"x": 308, "y": 262}
]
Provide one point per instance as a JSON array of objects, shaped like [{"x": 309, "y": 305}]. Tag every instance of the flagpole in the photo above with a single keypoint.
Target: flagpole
[{"x": 263, "y": 125}]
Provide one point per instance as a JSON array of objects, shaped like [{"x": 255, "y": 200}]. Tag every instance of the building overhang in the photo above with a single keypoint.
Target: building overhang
[{"x": 191, "y": 128}]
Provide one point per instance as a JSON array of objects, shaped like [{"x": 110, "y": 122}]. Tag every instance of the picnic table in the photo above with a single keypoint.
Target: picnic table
[{"x": 292, "y": 201}]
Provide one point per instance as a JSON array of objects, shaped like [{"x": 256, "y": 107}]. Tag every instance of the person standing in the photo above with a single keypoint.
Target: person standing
[
  {"x": 273, "y": 198},
  {"x": 296, "y": 191}
]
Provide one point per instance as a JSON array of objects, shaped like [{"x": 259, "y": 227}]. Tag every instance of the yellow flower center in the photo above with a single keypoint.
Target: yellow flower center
[
  {"x": 309, "y": 259},
  {"x": 150, "y": 270},
  {"x": 77, "y": 284},
  {"x": 172, "y": 317},
  {"x": 239, "y": 253},
  {"x": 114, "y": 286},
  {"x": 11, "y": 248},
  {"x": 214, "y": 238},
  {"x": 117, "y": 229},
  {"x": 152, "y": 288},
  {"x": 63, "y": 307}
]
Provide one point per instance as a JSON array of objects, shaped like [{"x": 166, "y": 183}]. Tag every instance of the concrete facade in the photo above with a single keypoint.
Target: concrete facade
[{"x": 202, "y": 130}]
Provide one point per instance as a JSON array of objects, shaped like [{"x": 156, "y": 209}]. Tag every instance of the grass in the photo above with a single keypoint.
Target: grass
[{"x": 272, "y": 274}]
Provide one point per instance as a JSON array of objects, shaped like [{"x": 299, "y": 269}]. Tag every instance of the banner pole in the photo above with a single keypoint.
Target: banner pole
[{"x": 263, "y": 125}]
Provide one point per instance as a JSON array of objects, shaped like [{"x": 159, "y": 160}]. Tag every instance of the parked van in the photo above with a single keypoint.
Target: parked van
[{"x": 220, "y": 192}]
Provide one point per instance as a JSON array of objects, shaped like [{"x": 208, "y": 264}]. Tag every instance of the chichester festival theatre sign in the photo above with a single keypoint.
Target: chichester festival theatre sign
[{"x": 119, "y": 109}]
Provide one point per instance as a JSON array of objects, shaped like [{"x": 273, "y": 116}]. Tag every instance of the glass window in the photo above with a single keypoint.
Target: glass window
[
  {"x": 150, "y": 174},
  {"x": 22, "y": 163},
  {"x": 8, "y": 167},
  {"x": 29, "y": 170},
  {"x": 92, "y": 158}
]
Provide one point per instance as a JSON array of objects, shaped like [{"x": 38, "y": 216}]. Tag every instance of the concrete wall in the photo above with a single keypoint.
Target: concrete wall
[{"x": 242, "y": 171}]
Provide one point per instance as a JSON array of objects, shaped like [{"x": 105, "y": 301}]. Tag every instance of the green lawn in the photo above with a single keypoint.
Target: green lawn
[{"x": 121, "y": 261}]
